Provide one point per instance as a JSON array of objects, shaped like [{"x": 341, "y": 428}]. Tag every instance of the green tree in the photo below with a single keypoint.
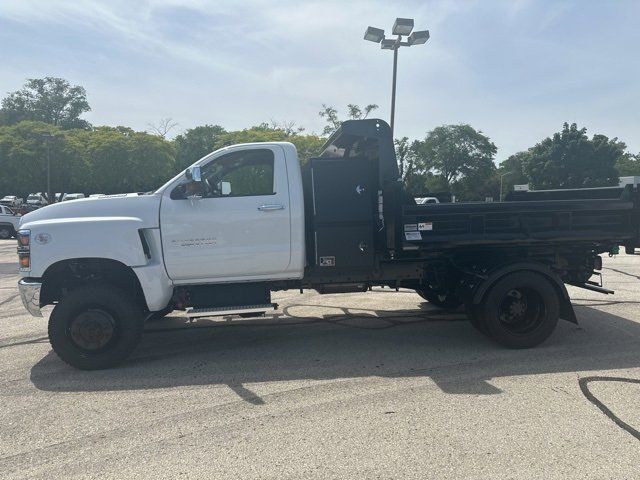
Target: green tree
[
  {"x": 23, "y": 159},
  {"x": 306, "y": 145},
  {"x": 50, "y": 100},
  {"x": 628, "y": 165},
  {"x": 405, "y": 157},
  {"x": 459, "y": 159},
  {"x": 570, "y": 159},
  {"x": 330, "y": 115},
  {"x": 195, "y": 143},
  {"x": 511, "y": 171},
  {"x": 121, "y": 160}
]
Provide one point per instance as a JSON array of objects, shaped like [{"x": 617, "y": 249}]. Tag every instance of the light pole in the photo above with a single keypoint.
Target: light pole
[
  {"x": 47, "y": 137},
  {"x": 402, "y": 26},
  {"x": 501, "y": 177}
]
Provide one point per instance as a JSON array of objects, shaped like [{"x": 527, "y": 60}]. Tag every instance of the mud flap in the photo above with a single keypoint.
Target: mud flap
[{"x": 566, "y": 310}]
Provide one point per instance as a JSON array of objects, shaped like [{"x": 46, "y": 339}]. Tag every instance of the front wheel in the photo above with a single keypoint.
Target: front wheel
[
  {"x": 520, "y": 310},
  {"x": 95, "y": 327},
  {"x": 447, "y": 300}
]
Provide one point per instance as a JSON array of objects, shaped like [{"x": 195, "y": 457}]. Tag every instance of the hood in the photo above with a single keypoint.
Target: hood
[{"x": 131, "y": 205}]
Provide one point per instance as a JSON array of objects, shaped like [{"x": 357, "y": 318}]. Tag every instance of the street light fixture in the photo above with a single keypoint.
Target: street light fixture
[
  {"x": 388, "y": 44},
  {"x": 418, "y": 38},
  {"x": 402, "y": 26},
  {"x": 374, "y": 34}
]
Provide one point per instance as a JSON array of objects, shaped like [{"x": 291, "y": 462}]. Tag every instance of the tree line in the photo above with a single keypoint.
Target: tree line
[{"x": 43, "y": 120}]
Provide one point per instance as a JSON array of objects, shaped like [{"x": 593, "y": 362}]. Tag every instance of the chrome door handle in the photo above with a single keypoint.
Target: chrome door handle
[{"x": 270, "y": 207}]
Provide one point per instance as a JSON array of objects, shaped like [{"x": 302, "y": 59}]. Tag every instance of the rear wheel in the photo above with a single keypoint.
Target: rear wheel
[
  {"x": 520, "y": 310},
  {"x": 447, "y": 300},
  {"x": 95, "y": 327},
  {"x": 475, "y": 318}
]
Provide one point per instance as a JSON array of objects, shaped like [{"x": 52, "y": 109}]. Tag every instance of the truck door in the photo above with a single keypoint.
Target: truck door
[{"x": 237, "y": 227}]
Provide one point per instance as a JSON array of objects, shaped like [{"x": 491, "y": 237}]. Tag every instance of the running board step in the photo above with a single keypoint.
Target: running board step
[
  {"x": 193, "y": 312},
  {"x": 593, "y": 288}
]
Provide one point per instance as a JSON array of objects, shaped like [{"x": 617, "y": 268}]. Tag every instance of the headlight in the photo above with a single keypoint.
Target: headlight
[
  {"x": 24, "y": 238},
  {"x": 24, "y": 250}
]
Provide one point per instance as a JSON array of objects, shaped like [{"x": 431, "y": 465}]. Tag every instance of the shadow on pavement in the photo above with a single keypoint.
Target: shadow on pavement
[{"x": 418, "y": 343}]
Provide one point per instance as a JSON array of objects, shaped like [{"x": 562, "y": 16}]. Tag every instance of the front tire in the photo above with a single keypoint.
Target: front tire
[
  {"x": 95, "y": 327},
  {"x": 520, "y": 310}
]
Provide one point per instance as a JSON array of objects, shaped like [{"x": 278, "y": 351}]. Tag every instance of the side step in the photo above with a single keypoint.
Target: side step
[
  {"x": 193, "y": 312},
  {"x": 593, "y": 288}
]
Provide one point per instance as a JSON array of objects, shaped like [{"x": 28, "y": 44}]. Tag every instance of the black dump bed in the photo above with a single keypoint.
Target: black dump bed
[
  {"x": 604, "y": 221},
  {"x": 359, "y": 215}
]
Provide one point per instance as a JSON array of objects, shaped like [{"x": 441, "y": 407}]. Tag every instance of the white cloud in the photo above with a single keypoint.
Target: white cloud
[{"x": 516, "y": 70}]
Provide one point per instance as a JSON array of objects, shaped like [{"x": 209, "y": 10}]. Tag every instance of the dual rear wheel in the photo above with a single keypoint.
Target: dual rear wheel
[{"x": 520, "y": 310}]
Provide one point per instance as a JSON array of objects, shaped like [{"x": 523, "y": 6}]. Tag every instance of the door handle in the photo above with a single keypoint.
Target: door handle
[{"x": 270, "y": 207}]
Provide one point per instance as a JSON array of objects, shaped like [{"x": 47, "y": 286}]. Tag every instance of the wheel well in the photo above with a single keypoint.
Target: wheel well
[
  {"x": 566, "y": 309},
  {"x": 66, "y": 275}
]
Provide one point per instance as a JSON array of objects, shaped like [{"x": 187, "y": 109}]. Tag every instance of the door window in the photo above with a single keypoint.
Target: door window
[{"x": 241, "y": 173}]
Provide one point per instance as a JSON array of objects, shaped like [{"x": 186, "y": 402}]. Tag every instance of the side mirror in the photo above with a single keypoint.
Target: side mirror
[{"x": 193, "y": 174}]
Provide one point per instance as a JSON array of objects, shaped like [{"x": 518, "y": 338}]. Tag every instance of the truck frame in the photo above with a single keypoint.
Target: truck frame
[{"x": 351, "y": 226}]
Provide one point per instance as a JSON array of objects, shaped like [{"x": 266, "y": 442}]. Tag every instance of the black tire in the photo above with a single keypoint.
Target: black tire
[
  {"x": 520, "y": 310},
  {"x": 6, "y": 232},
  {"x": 95, "y": 327},
  {"x": 447, "y": 301},
  {"x": 475, "y": 318}
]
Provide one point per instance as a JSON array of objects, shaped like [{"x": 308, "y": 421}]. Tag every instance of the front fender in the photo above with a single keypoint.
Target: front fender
[{"x": 115, "y": 238}]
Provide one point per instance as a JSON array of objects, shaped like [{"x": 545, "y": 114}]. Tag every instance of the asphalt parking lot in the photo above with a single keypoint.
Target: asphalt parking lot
[{"x": 374, "y": 385}]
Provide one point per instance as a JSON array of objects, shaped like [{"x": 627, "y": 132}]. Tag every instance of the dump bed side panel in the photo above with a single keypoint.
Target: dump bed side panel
[{"x": 434, "y": 226}]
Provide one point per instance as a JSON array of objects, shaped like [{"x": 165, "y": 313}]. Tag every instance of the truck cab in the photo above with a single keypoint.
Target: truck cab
[{"x": 241, "y": 220}]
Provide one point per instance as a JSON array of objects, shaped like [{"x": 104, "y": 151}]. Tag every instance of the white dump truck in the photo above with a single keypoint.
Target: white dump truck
[{"x": 247, "y": 220}]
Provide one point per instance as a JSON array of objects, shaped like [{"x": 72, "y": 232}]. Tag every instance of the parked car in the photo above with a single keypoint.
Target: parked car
[
  {"x": 39, "y": 199},
  {"x": 425, "y": 200},
  {"x": 11, "y": 201},
  {"x": 72, "y": 196},
  {"x": 26, "y": 208},
  {"x": 9, "y": 222}
]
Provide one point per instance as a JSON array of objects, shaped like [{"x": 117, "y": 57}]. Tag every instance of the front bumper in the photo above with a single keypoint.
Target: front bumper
[{"x": 30, "y": 294}]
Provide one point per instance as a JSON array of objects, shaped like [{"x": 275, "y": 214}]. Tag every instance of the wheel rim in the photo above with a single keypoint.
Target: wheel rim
[
  {"x": 93, "y": 330},
  {"x": 4, "y": 232},
  {"x": 521, "y": 310}
]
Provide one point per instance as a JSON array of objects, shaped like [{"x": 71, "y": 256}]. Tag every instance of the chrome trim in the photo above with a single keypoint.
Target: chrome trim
[
  {"x": 30, "y": 295},
  {"x": 270, "y": 207}
]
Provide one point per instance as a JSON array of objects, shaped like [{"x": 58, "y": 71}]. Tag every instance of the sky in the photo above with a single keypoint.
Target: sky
[{"x": 516, "y": 70}]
